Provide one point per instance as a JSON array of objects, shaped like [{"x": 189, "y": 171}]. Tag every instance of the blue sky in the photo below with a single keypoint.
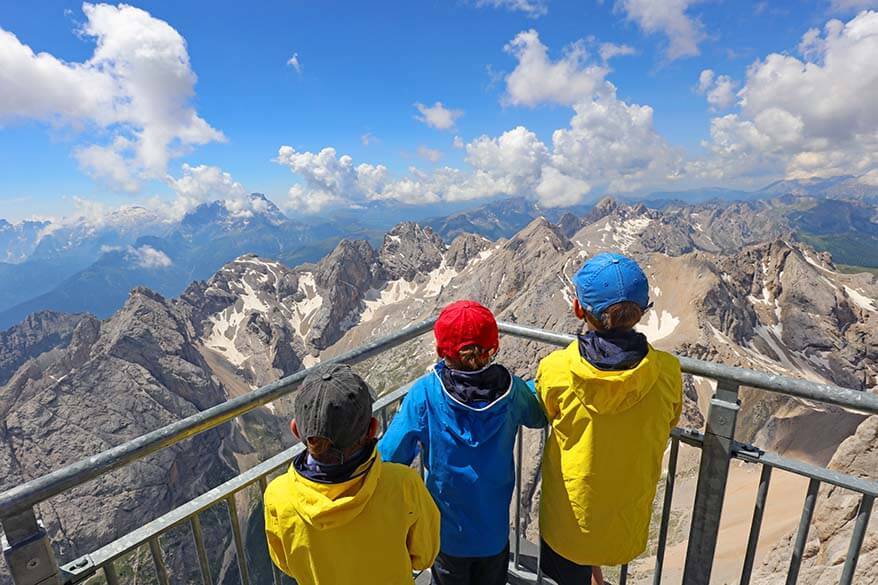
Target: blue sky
[{"x": 363, "y": 67}]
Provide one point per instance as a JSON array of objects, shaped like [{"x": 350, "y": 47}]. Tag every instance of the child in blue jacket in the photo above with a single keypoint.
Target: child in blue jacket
[{"x": 464, "y": 414}]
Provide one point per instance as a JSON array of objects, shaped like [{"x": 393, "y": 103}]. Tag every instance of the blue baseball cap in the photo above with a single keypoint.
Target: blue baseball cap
[{"x": 607, "y": 279}]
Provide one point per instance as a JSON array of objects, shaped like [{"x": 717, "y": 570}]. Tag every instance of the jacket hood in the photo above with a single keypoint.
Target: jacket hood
[
  {"x": 476, "y": 389},
  {"x": 325, "y": 505},
  {"x": 610, "y": 391},
  {"x": 469, "y": 424},
  {"x": 613, "y": 350}
]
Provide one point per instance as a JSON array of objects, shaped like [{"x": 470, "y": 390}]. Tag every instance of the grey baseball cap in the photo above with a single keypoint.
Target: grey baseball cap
[{"x": 334, "y": 403}]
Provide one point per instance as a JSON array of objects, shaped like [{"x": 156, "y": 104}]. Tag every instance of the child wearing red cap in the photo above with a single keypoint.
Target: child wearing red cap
[{"x": 463, "y": 417}]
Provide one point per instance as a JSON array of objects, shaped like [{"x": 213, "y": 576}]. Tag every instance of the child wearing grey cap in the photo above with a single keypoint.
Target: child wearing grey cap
[{"x": 340, "y": 514}]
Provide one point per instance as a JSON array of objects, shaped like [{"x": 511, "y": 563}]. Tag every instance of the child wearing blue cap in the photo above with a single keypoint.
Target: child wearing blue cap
[{"x": 611, "y": 400}]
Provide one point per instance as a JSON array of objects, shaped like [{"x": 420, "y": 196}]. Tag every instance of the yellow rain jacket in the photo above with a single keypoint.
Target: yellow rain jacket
[
  {"x": 374, "y": 529},
  {"x": 603, "y": 457}
]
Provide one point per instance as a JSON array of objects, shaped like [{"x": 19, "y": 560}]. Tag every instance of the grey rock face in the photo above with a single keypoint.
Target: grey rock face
[
  {"x": 833, "y": 522},
  {"x": 464, "y": 248},
  {"x": 353, "y": 268},
  {"x": 37, "y": 334},
  {"x": 134, "y": 373},
  {"x": 409, "y": 250}
]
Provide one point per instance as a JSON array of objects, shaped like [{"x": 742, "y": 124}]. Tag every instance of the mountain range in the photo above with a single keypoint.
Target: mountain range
[
  {"x": 89, "y": 265},
  {"x": 730, "y": 283}
]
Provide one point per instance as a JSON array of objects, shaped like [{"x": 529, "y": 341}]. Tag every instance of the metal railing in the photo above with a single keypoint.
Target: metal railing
[{"x": 30, "y": 556}]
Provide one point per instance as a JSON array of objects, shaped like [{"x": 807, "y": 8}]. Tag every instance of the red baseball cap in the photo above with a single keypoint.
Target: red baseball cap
[{"x": 465, "y": 323}]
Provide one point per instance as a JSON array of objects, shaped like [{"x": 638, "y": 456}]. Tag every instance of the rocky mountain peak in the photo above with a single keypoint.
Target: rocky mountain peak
[
  {"x": 570, "y": 223},
  {"x": 409, "y": 250},
  {"x": 37, "y": 334},
  {"x": 464, "y": 248},
  {"x": 541, "y": 231}
]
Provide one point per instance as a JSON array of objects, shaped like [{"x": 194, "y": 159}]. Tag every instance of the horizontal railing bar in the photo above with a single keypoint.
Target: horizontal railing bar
[
  {"x": 182, "y": 513},
  {"x": 822, "y": 474},
  {"x": 749, "y": 454},
  {"x": 256, "y": 474},
  {"x": 35, "y": 491},
  {"x": 860, "y": 401},
  {"x": 31, "y": 493}
]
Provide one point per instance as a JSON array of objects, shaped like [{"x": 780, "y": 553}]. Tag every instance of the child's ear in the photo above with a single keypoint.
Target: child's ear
[
  {"x": 373, "y": 428},
  {"x": 294, "y": 428},
  {"x": 578, "y": 310}
]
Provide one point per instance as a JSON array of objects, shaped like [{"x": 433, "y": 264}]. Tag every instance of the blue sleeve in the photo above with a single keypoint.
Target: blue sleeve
[
  {"x": 530, "y": 411},
  {"x": 400, "y": 441}
]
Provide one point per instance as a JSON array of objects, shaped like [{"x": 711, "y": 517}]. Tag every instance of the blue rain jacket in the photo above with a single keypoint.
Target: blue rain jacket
[{"x": 468, "y": 454}]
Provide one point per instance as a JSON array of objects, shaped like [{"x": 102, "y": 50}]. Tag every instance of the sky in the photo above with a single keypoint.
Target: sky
[{"x": 335, "y": 104}]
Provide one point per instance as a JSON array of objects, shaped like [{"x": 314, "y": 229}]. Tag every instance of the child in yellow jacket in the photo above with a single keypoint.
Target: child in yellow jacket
[
  {"x": 340, "y": 514},
  {"x": 612, "y": 401}
]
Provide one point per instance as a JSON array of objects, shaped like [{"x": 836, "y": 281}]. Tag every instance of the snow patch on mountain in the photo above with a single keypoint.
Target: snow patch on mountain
[
  {"x": 860, "y": 299},
  {"x": 658, "y": 325},
  {"x": 303, "y": 312}
]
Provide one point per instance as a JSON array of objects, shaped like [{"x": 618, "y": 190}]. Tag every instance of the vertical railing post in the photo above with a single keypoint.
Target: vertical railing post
[
  {"x": 713, "y": 472},
  {"x": 28, "y": 551}
]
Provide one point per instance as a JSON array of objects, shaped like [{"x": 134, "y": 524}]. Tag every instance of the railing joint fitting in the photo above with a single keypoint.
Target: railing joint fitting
[{"x": 747, "y": 452}]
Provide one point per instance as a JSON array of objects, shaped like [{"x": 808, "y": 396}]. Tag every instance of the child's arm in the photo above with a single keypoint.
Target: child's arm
[
  {"x": 275, "y": 544},
  {"x": 544, "y": 396},
  {"x": 400, "y": 441},
  {"x": 529, "y": 407},
  {"x": 423, "y": 535}
]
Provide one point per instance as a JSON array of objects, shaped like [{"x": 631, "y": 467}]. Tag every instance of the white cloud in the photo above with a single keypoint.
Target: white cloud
[
  {"x": 330, "y": 180},
  {"x": 804, "y": 117},
  {"x": 438, "y": 116},
  {"x": 513, "y": 161},
  {"x": 557, "y": 189},
  {"x": 667, "y": 17},
  {"x": 458, "y": 142},
  {"x": 609, "y": 144},
  {"x": 720, "y": 91},
  {"x": 204, "y": 183},
  {"x": 705, "y": 80},
  {"x": 614, "y": 143},
  {"x": 295, "y": 63},
  {"x": 136, "y": 88},
  {"x": 532, "y": 8},
  {"x": 368, "y": 138},
  {"x": 148, "y": 257},
  {"x": 430, "y": 154},
  {"x": 536, "y": 79},
  {"x": 609, "y": 50}
]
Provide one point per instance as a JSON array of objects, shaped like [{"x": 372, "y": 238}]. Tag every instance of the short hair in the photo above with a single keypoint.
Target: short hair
[
  {"x": 619, "y": 317},
  {"x": 470, "y": 358}
]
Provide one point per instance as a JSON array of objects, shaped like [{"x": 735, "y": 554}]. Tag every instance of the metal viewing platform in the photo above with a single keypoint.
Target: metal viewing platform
[{"x": 30, "y": 554}]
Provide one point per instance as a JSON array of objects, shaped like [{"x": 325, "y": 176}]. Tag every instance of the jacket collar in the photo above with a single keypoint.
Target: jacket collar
[{"x": 477, "y": 391}]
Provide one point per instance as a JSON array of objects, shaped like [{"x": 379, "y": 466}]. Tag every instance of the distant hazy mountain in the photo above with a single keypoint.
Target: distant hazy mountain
[
  {"x": 18, "y": 241},
  {"x": 498, "y": 219},
  {"x": 90, "y": 265},
  {"x": 102, "y": 270},
  {"x": 842, "y": 187}
]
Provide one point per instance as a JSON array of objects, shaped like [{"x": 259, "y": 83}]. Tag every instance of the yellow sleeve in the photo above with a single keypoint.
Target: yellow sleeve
[
  {"x": 545, "y": 394},
  {"x": 276, "y": 549},
  {"x": 423, "y": 536}
]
